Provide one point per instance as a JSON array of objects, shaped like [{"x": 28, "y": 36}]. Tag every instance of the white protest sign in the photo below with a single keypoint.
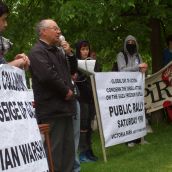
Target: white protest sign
[
  {"x": 158, "y": 89},
  {"x": 121, "y": 103},
  {"x": 21, "y": 147}
]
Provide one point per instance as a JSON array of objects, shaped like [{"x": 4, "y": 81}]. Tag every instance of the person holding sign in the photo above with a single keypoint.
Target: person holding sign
[
  {"x": 21, "y": 60},
  {"x": 133, "y": 62},
  {"x": 87, "y": 105},
  {"x": 129, "y": 60},
  {"x": 53, "y": 92},
  {"x": 167, "y": 53}
]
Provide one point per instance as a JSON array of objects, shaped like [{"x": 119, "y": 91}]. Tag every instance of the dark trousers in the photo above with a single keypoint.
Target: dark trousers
[
  {"x": 62, "y": 142},
  {"x": 87, "y": 115}
]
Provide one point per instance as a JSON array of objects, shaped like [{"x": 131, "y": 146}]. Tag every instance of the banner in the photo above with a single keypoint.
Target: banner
[
  {"x": 121, "y": 102},
  {"x": 158, "y": 89},
  {"x": 21, "y": 147}
]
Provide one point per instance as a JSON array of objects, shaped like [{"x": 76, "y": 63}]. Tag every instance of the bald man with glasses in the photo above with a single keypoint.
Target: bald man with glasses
[{"x": 53, "y": 91}]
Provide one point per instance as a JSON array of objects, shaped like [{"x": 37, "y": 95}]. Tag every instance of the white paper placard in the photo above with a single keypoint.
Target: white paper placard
[
  {"x": 121, "y": 102},
  {"x": 21, "y": 147}
]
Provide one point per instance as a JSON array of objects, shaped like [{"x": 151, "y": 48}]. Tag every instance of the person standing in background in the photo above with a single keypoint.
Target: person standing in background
[
  {"x": 87, "y": 106},
  {"x": 21, "y": 60},
  {"x": 134, "y": 61},
  {"x": 76, "y": 118},
  {"x": 97, "y": 67},
  {"x": 76, "y": 124},
  {"x": 130, "y": 61},
  {"x": 167, "y": 53}
]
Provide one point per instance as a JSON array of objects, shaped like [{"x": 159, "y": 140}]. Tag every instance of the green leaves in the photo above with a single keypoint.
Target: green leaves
[
  {"x": 156, "y": 2},
  {"x": 105, "y": 23}
]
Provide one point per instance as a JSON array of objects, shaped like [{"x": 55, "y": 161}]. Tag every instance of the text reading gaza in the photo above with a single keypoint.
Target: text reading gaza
[{"x": 12, "y": 81}]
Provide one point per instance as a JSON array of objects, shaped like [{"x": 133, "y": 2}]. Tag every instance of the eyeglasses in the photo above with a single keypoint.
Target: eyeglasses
[{"x": 54, "y": 28}]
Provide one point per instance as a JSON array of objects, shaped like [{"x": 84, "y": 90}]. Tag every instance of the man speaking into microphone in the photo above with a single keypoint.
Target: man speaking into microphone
[{"x": 53, "y": 92}]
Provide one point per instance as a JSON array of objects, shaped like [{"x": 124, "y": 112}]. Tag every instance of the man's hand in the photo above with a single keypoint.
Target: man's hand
[
  {"x": 22, "y": 60},
  {"x": 67, "y": 48},
  {"x": 143, "y": 67},
  {"x": 69, "y": 95}
]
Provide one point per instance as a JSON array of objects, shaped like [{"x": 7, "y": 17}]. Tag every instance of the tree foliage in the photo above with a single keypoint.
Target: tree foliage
[{"x": 105, "y": 23}]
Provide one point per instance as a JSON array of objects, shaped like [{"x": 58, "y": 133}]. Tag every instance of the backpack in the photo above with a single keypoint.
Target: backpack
[{"x": 115, "y": 64}]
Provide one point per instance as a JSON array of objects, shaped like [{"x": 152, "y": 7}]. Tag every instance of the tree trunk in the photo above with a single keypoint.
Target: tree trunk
[
  {"x": 156, "y": 50},
  {"x": 156, "y": 46}
]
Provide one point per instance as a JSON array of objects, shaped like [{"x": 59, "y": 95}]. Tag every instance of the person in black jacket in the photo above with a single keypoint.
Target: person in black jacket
[
  {"x": 53, "y": 92},
  {"x": 86, "y": 104}
]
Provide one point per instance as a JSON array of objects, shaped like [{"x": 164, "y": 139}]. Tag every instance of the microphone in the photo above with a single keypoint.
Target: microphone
[{"x": 61, "y": 38}]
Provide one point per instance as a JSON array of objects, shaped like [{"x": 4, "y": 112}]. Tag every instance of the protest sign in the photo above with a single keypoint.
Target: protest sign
[
  {"x": 158, "y": 89},
  {"x": 120, "y": 97},
  {"x": 21, "y": 147}
]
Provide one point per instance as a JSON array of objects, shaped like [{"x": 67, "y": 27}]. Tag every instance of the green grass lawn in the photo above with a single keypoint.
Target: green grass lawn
[{"x": 153, "y": 157}]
